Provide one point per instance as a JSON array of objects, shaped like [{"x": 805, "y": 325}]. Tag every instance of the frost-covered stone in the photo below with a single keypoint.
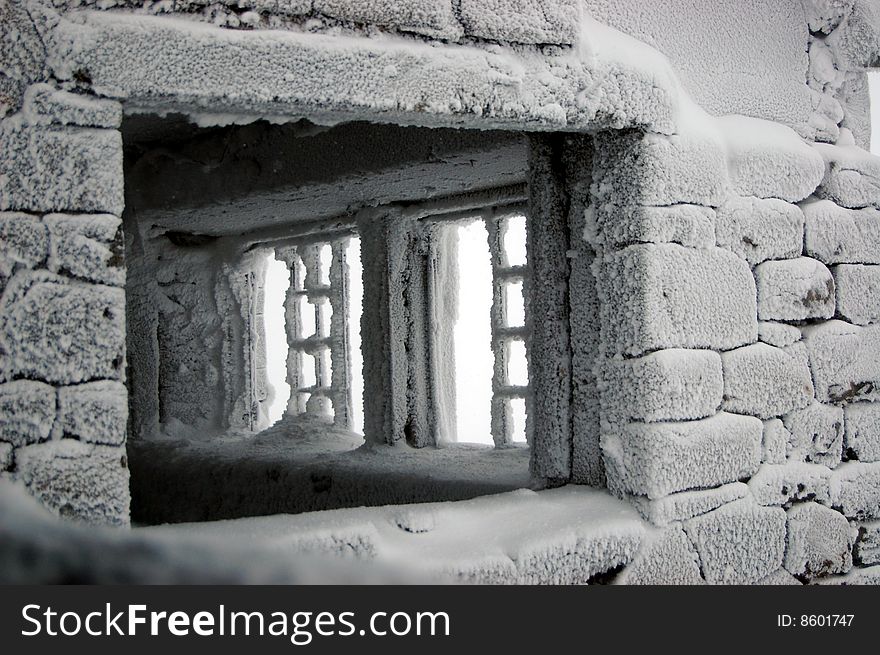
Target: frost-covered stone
[
  {"x": 688, "y": 225},
  {"x": 27, "y": 411},
  {"x": 867, "y": 547},
  {"x": 819, "y": 540},
  {"x": 857, "y": 42},
  {"x": 845, "y": 361},
  {"x": 778, "y": 334},
  {"x": 522, "y": 21},
  {"x": 862, "y": 436},
  {"x": 825, "y": 15},
  {"x": 60, "y": 331},
  {"x": 775, "y": 442},
  {"x": 794, "y": 290},
  {"x": 836, "y": 235},
  {"x": 781, "y": 484},
  {"x": 45, "y": 105},
  {"x": 855, "y": 490},
  {"x": 656, "y": 459},
  {"x": 816, "y": 434},
  {"x": 61, "y": 169},
  {"x": 95, "y": 412},
  {"x": 669, "y": 296},
  {"x": 667, "y": 557},
  {"x": 687, "y": 504},
  {"x": 23, "y": 239},
  {"x": 77, "y": 480},
  {"x": 858, "y": 293},
  {"x": 649, "y": 169},
  {"x": 87, "y": 246},
  {"x": 765, "y": 381},
  {"x": 779, "y": 577},
  {"x": 758, "y": 230},
  {"x": 22, "y": 53},
  {"x": 430, "y": 17},
  {"x": 665, "y": 385},
  {"x": 852, "y": 176},
  {"x": 6, "y": 457},
  {"x": 739, "y": 543}
]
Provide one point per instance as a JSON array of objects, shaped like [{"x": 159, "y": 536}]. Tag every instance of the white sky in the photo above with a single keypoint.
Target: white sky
[{"x": 874, "y": 81}]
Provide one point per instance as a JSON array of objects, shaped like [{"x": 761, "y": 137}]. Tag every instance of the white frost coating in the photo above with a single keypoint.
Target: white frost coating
[
  {"x": 687, "y": 504},
  {"x": 782, "y": 484},
  {"x": 522, "y": 21},
  {"x": 61, "y": 331},
  {"x": 845, "y": 361},
  {"x": 77, "y": 480},
  {"x": 60, "y": 169},
  {"x": 95, "y": 412},
  {"x": 867, "y": 548},
  {"x": 669, "y": 296},
  {"x": 858, "y": 293},
  {"x": 27, "y": 411},
  {"x": 758, "y": 230},
  {"x": 852, "y": 176},
  {"x": 656, "y": 459},
  {"x": 794, "y": 290},
  {"x": 855, "y": 490},
  {"x": 765, "y": 381},
  {"x": 46, "y": 105},
  {"x": 857, "y": 41},
  {"x": 666, "y": 557},
  {"x": 775, "y": 442},
  {"x": 6, "y": 456},
  {"x": 779, "y": 577},
  {"x": 430, "y": 17},
  {"x": 836, "y": 235},
  {"x": 867, "y": 576},
  {"x": 778, "y": 334},
  {"x": 819, "y": 541},
  {"x": 825, "y": 15},
  {"x": 87, "y": 246},
  {"x": 739, "y": 543},
  {"x": 816, "y": 434},
  {"x": 769, "y": 160},
  {"x": 665, "y": 385},
  {"x": 24, "y": 242},
  {"x": 862, "y": 431},
  {"x": 689, "y": 225}
]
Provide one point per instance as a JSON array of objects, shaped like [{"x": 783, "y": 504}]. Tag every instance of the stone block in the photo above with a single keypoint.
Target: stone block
[
  {"x": 836, "y": 235},
  {"x": 816, "y": 434},
  {"x": 87, "y": 246},
  {"x": 845, "y": 361},
  {"x": 666, "y": 558},
  {"x": 782, "y": 484},
  {"x": 794, "y": 290},
  {"x": 27, "y": 412},
  {"x": 687, "y": 504},
  {"x": 855, "y": 490},
  {"x": 96, "y": 412},
  {"x": 758, "y": 230},
  {"x": 820, "y": 542},
  {"x": 862, "y": 431},
  {"x": 858, "y": 293},
  {"x": 765, "y": 381}
]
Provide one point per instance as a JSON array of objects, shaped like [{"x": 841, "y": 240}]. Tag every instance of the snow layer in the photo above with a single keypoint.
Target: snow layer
[
  {"x": 656, "y": 459},
  {"x": 758, "y": 230},
  {"x": 775, "y": 442},
  {"x": 867, "y": 548},
  {"x": 77, "y": 480},
  {"x": 852, "y": 176},
  {"x": 665, "y": 385},
  {"x": 46, "y": 105},
  {"x": 669, "y": 296},
  {"x": 688, "y": 225},
  {"x": 794, "y": 290},
  {"x": 855, "y": 490},
  {"x": 687, "y": 504},
  {"x": 765, "y": 381},
  {"x": 862, "y": 438},
  {"x": 27, "y": 412},
  {"x": 836, "y": 235},
  {"x": 858, "y": 293},
  {"x": 816, "y": 434},
  {"x": 60, "y": 169},
  {"x": 819, "y": 541},
  {"x": 96, "y": 412},
  {"x": 739, "y": 543},
  {"x": 559, "y": 536},
  {"x": 782, "y": 484},
  {"x": 778, "y": 334},
  {"x": 667, "y": 557},
  {"x": 61, "y": 331},
  {"x": 87, "y": 246},
  {"x": 845, "y": 361}
]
